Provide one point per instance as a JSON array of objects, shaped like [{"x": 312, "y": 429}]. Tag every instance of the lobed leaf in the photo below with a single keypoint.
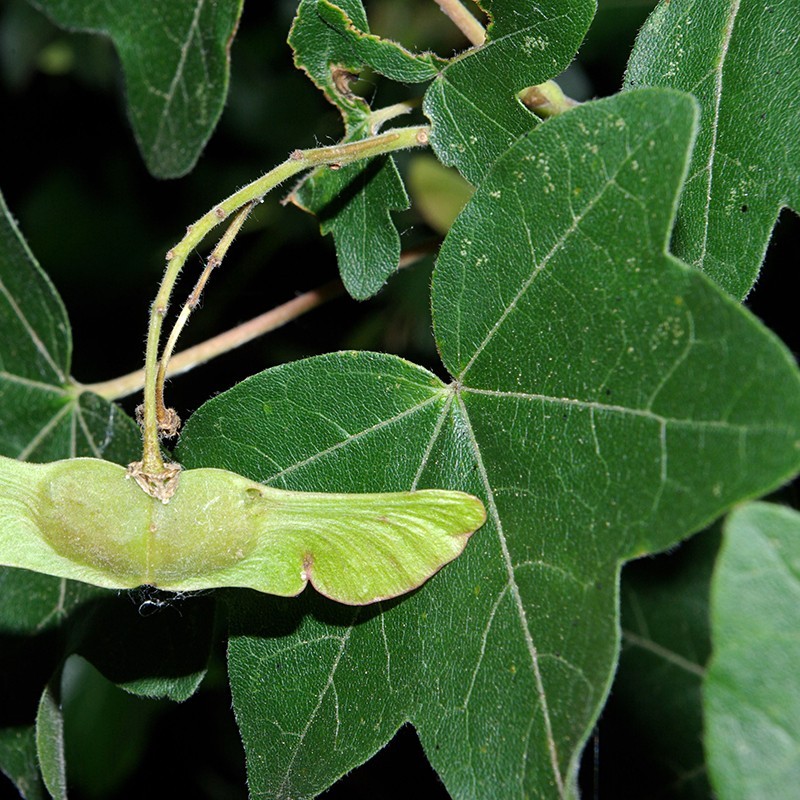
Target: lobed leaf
[
  {"x": 473, "y": 103},
  {"x": 332, "y": 44},
  {"x": 175, "y": 55},
  {"x": 598, "y": 409},
  {"x": 751, "y": 691},
  {"x": 739, "y": 58},
  {"x": 354, "y": 204},
  {"x": 45, "y": 415},
  {"x": 328, "y": 58}
]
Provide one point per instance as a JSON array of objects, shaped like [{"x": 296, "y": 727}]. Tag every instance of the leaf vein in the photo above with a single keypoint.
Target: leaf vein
[
  {"x": 315, "y": 711},
  {"x": 352, "y": 438},
  {"x": 709, "y": 167},
  {"x": 32, "y": 384},
  {"x": 520, "y": 608},
  {"x": 31, "y": 331},
  {"x": 43, "y": 433}
]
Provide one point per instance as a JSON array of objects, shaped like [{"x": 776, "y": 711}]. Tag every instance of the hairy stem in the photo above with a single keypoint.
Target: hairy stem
[
  {"x": 298, "y": 161},
  {"x": 214, "y": 260},
  {"x": 202, "y": 353}
]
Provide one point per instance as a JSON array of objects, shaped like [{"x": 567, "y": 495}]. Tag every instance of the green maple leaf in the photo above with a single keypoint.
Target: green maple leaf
[
  {"x": 596, "y": 406},
  {"x": 739, "y": 59},
  {"x": 175, "y": 56}
]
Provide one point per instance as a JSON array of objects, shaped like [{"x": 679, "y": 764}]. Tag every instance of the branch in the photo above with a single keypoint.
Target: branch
[
  {"x": 204, "y": 352},
  {"x": 463, "y": 20}
]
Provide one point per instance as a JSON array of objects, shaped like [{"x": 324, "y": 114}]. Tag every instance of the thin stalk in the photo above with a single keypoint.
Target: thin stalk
[
  {"x": 167, "y": 420},
  {"x": 379, "y": 117},
  {"x": 298, "y": 161},
  {"x": 222, "y": 343},
  {"x": 463, "y": 20},
  {"x": 202, "y": 353}
]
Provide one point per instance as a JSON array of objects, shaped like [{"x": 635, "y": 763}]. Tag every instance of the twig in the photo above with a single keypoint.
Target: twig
[
  {"x": 200, "y": 354},
  {"x": 168, "y": 420},
  {"x": 464, "y": 21}
]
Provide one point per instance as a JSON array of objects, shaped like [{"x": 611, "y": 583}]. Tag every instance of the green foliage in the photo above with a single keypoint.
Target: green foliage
[
  {"x": 599, "y": 389},
  {"x": 472, "y": 103},
  {"x": 629, "y": 383},
  {"x": 354, "y": 202},
  {"x": 751, "y": 693},
  {"x": 175, "y": 56},
  {"x": 50, "y": 744},
  {"x": 45, "y": 415},
  {"x": 739, "y": 60}
]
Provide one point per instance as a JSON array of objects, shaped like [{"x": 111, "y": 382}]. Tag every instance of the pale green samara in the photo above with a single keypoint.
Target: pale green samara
[{"x": 87, "y": 520}]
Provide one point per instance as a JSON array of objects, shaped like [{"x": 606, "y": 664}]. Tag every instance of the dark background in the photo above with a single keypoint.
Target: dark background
[{"x": 99, "y": 225}]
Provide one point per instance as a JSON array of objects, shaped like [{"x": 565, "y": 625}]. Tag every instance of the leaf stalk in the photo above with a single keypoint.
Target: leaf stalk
[{"x": 298, "y": 161}]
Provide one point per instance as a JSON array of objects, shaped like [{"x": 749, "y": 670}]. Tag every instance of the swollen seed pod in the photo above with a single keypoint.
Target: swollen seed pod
[{"x": 86, "y": 520}]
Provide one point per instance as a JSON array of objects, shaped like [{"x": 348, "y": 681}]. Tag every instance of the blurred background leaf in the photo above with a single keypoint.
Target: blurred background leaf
[{"x": 174, "y": 56}]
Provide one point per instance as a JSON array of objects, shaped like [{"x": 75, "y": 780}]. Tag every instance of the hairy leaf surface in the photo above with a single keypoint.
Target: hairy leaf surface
[
  {"x": 740, "y": 58},
  {"x": 752, "y": 690},
  {"x": 175, "y": 56},
  {"x": 50, "y": 744},
  {"x": 595, "y": 405},
  {"x": 332, "y": 44},
  {"x": 473, "y": 102},
  {"x": 354, "y": 204}
]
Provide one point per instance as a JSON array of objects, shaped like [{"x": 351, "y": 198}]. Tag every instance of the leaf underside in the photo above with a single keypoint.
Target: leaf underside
[
  {"x": 175, "y": 56},
  {"x": 751, "y": 691}
]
